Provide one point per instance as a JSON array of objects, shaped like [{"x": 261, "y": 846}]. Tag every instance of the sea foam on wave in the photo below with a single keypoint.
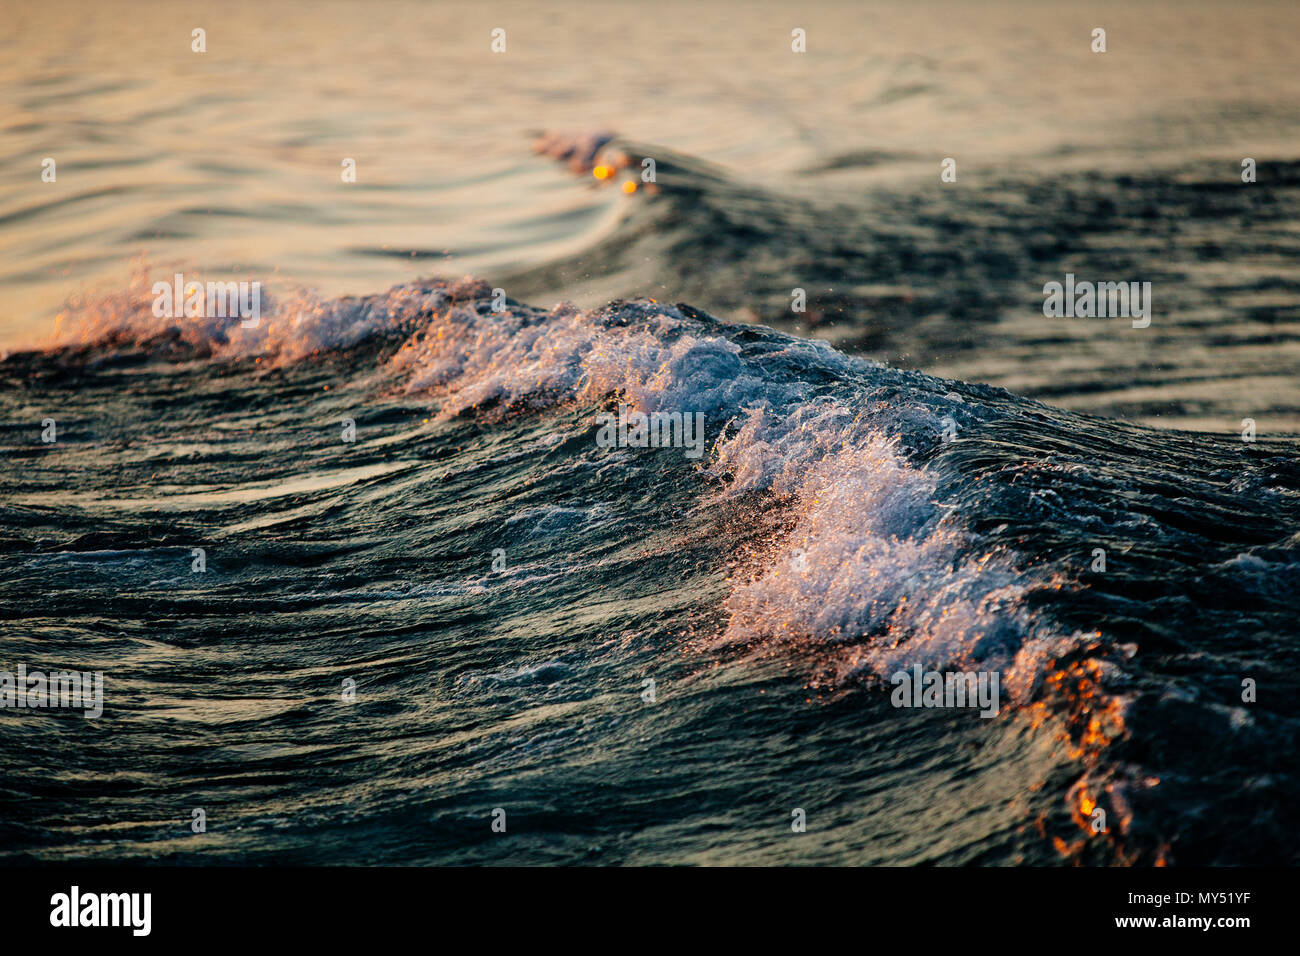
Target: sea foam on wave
[{"x": 874, "y": 561}]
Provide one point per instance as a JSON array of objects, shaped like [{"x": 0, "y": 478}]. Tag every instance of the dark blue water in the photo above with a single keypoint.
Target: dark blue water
[{"x": 458, "y": 612}]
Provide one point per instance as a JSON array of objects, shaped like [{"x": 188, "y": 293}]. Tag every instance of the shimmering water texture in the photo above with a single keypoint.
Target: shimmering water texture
[
  {"x": 829, "y": 537},
  {"x": 641, "y": 656}
]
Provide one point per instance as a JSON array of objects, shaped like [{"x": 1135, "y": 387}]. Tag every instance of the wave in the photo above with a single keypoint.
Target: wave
[
  {"x": 910, "y": 520},
  {"x": 858, "y": 518},
  {"x": 949, "y": 277}
]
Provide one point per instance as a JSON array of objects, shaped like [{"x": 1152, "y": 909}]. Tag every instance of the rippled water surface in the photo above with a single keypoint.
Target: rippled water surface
[
  {"x": 1123, "y": 164},
  {"x": 379, "y": 642}
]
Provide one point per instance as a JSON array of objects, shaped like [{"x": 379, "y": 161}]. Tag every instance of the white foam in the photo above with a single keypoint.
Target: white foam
[
  {"x": 874, "y": 560},
  {"x": 291, "y": 325}
]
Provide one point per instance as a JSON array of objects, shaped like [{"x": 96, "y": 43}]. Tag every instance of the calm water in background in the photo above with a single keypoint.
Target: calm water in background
[
  {"x": 830, "y": 534},
  {"x": 228, "y": 163}
]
